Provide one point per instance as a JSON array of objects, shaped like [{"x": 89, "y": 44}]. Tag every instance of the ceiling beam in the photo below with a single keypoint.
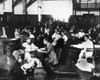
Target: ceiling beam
[
  {"x": 30, "y": 3},
  {"x": 2, "y": 1},
  {"x": 16, "y": 2}
]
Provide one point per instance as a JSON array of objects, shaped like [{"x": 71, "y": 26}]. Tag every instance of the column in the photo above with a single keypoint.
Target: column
[{"x": 39, "y": 5}]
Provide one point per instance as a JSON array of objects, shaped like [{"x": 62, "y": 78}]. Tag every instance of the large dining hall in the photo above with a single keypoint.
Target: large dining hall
[{"x": 49, "y": 39}]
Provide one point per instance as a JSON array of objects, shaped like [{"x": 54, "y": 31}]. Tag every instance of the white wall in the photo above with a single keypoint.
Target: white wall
[
  {"x": 19, "y": 9},
  {"x": 32, "y": 9},
  {"x": 1, "y": 9},
  {"x": 6, "y": 6},
  {"x": 59, "y": 9}
]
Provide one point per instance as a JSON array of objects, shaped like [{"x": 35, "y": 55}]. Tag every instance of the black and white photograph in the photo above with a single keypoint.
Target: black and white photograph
[{"x": 49, "y": 39}]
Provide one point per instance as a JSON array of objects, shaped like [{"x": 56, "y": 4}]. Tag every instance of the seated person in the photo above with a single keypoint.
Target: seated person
[
  {"x": 85, "y": 68},
  {"x": 31, "y": 63},
  {"x": 19, "y": 54},
  {"x": 17, "y": 34},
  {"x": 86, "y": 46},
  {"x": 51, "y": 56},
  {"x": 56, "y": 36},
  {"x": 29, "y": 46},
  {"x": 84, "y": 64}
]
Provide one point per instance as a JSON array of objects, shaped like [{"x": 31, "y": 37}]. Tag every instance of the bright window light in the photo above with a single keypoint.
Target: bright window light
[{"x": 58, "y": 9}]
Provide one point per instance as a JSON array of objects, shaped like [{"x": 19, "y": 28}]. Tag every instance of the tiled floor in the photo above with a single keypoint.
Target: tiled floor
[{"x": 4, "y": 75}]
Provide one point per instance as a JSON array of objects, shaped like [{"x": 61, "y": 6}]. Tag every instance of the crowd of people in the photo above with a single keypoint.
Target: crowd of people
[{"x": 46, "y": 46}]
